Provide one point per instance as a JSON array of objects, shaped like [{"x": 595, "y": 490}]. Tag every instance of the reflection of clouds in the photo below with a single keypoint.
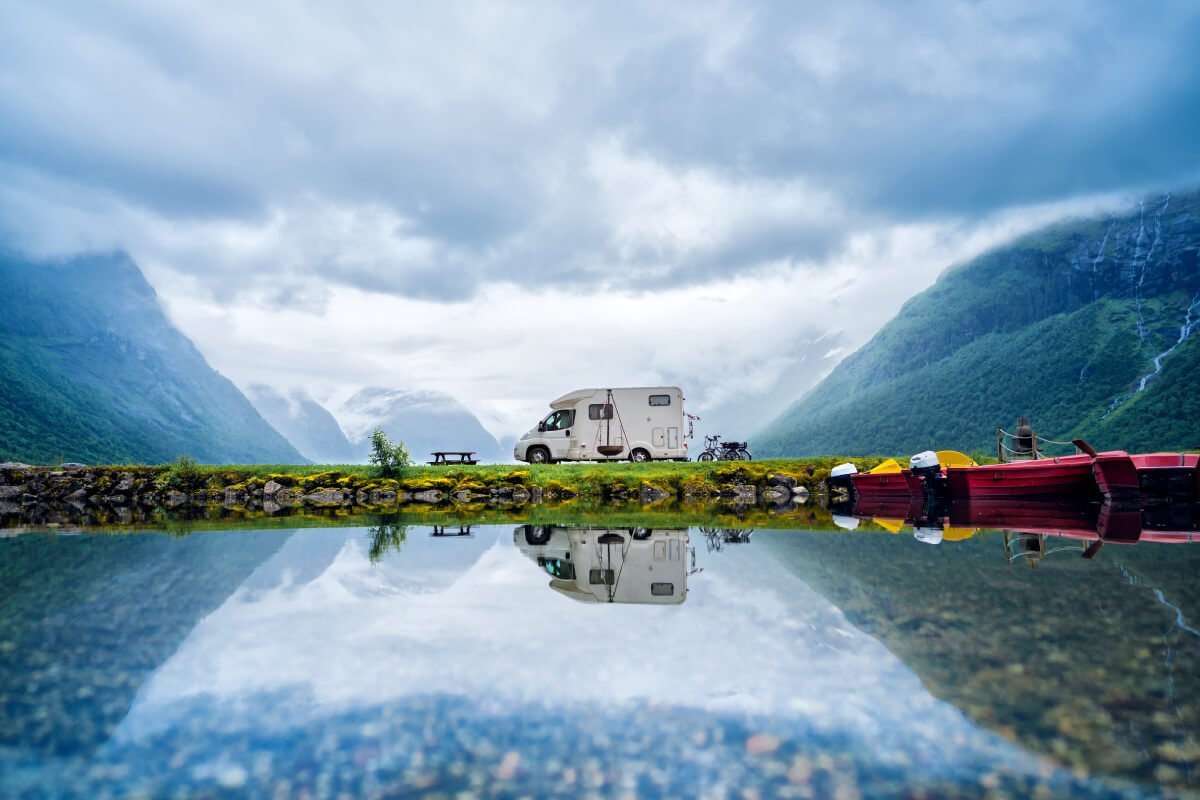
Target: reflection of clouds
[{"x": 483, "y": 624}]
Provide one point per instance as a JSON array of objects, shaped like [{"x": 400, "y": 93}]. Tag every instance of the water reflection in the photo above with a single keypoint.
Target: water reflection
[
  {"x": 611, "y": 565},
  {"x": 414, "y": 659}
]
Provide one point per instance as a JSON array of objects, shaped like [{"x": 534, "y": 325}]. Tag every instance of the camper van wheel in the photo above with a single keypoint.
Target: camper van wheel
[
  {"x": 639, "y": 455},
  {"x": 537, "y": 534},
  {"x": 538, "y": 455}
]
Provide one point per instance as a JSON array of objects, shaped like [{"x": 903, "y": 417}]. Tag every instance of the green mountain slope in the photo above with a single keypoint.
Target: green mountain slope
[
  {"x": 1064, "y": 325},
  {"x": 91, "y": 370}
]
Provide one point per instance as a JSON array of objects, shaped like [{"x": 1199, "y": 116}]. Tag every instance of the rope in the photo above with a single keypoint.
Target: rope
[{"x": 1035, "y": 436}]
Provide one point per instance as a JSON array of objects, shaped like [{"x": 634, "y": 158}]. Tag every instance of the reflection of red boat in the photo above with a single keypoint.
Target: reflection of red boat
[
  {"x": 1068, "y": 476},
  {"x": 888, "y": 507},
  {"x": 1109, "y": 522},
  {"x": 1026, "y": 516}
]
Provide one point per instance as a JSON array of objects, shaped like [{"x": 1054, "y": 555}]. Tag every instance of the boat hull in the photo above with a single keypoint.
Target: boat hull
[
  {"x": 1069, "y": 476},
  {"x": 1116, "y": 476},
  {"x": 888, "y": 484},
  {"x": 1174, "y": 475}
]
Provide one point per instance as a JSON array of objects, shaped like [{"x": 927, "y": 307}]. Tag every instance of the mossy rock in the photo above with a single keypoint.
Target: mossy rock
[{"x": 521, "y": 477}]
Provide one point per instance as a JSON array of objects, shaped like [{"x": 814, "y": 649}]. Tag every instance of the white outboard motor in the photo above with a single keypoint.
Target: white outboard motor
[
  {"x": 926, "y": 467},
  {"x": 845, "y": 522},
  {"x": 928, "y": 535},
  {"x": 925, "y": 463}
]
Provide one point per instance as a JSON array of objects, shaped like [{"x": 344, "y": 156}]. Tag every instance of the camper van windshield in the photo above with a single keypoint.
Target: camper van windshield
[
  {"x": 559, "y": 568},
  {"x": 560, "y": 419}
]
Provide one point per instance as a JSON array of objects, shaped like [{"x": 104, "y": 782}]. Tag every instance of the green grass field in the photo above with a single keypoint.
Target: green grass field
[{"x": 578, "y": 478}]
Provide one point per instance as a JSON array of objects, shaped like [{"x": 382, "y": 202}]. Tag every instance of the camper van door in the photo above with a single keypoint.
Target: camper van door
[{"x": 557, "y": 432}]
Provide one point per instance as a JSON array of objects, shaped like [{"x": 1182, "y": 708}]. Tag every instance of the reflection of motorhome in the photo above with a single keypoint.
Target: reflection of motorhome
[
  {"x": 639, "y": 424},
  {"x": 610, "y": 565}
]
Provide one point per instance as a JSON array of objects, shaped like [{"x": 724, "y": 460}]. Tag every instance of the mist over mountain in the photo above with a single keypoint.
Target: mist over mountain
[
  {"x": 306, "y": 424},
  {"x": 425, "y": 421},
  {"x": 92, "y": 370},
  {"x": 1088, "y": 326}
]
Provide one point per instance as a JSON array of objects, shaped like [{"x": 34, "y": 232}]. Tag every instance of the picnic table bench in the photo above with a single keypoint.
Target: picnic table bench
[
  {"x": 442, "y": 458},
  {"x": 447, "y": 530}
]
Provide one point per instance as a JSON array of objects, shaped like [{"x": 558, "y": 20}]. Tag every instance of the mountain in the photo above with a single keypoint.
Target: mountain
[
  {"x": 92, "y": 370},
  {"x": 1088, "y": 327},
  {"x": 306, "y": 424},
  {"x": 424, "y": 421}
]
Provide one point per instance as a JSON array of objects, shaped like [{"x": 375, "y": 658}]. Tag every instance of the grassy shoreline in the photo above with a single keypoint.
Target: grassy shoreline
[
  {"x": 184, "y": 486},
  {"x": 598, "y": 479}
]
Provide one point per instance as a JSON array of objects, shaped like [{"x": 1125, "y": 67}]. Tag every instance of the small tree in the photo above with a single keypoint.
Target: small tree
[{"x": 390, "y": 458}]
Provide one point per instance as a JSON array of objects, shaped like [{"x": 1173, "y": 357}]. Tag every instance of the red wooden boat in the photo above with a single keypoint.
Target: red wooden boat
[
  {"x": 1120, "y": 475},
  {"x": 1168, "y": 474},
  {"x": 1068, "y": 476},
  {"x": 888, "y": 480},
  {"x": 892, "y": 484}
]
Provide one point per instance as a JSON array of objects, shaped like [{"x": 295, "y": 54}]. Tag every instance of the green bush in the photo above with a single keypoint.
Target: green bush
[
  {"x": 180, "y": 472},
  {"x": 390, "y": 458}
]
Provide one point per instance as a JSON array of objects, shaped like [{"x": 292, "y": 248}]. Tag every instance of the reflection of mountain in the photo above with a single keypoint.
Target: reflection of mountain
[
  {"x": 306, "y": 424},
  {"x": 86, "y": 620},
  {"x": 424, "y": 421},
  {"x": 1103, "y": 676},
  {"x": 420, "y": 564},
  {"x": 492, "y": 659}
]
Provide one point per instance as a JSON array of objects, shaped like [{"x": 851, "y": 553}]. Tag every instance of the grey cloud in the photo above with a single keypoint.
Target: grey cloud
[{"x": 472, "y": 125}]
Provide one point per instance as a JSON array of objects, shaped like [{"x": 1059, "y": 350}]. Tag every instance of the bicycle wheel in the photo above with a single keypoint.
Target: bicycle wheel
[
  {"x": 744, "y": 454},
  {"x": 729, "y": 455},
  {"x": 707, "y": 455}
]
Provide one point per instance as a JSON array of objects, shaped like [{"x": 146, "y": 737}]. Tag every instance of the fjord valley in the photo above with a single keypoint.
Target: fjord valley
[{"x": 1088, "y": 327}]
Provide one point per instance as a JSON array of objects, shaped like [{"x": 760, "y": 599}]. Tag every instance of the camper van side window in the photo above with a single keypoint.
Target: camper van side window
[
  {"x": 660, "y": 399},
  {"x": 602, "y": 577},
  {"x": 662, "y": 589},
  {"x": 600, "y": 411}
]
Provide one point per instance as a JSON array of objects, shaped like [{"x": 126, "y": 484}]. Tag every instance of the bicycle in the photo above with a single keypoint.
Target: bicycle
[{"x": 716, "y": 450}]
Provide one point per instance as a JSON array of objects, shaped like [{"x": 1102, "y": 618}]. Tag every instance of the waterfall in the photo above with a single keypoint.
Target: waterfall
[{"x": 1185, "y": 330}]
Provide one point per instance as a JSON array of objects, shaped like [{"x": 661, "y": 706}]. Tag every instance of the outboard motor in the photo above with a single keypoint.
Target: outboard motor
[
  {"x": 840, "y": 477},
  {"x": 846, "y": 522},
  {"x": 926, "y": 467},
  {"x": 927, "y": 535}
]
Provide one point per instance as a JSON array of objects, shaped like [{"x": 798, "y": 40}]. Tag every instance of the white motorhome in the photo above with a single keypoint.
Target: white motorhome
[
  {"x": 637, "y": 423},
  {"x": 610, "y": 565}
]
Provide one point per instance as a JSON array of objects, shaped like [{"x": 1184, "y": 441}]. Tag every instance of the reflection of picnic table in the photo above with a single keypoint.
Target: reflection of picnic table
[
  {"x": 442, "y": 458},
  {"x": 446, "y": 530}
]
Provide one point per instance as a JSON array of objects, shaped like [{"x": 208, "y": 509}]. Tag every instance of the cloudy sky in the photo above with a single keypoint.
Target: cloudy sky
[{"x": 507, "y": 201}]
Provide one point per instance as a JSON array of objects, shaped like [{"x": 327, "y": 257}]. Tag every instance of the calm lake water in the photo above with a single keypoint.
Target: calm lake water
[{"x": 544, "y": 660}]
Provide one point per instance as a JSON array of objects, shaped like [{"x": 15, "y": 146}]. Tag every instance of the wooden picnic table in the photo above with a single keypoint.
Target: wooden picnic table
[
  {"x": 442, "y": 458},
  {"x": 446, "y": 530}
]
